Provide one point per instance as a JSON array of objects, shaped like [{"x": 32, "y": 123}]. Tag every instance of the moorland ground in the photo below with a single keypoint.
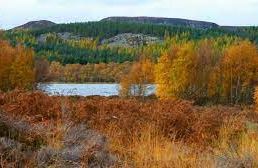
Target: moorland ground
[{"x": 139, "y": 133}]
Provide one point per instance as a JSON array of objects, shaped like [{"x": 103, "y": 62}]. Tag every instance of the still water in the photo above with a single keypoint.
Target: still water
[{"x": 85, "y": 89}]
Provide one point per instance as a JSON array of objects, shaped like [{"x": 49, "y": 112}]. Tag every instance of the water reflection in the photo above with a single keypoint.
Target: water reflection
[{"x": 87, "y": 89}]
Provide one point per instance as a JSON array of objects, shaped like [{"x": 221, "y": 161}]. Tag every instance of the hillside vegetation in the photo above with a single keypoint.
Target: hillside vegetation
[{"x": 85, "y": 42}]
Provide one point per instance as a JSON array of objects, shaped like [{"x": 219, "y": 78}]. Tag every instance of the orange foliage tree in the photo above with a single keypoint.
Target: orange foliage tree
[
  {"x": 7, "y": 56},
  {"x": 204, "y": 64},
  {"x": 16, "y": 67},
  {"x": 136, "y": 82}
]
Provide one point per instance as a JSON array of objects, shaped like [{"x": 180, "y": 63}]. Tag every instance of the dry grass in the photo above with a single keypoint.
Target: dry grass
[
  {"x": 150, "y": 133},
  {"x": 237, "y": 150},
  {"x": 151, "y": 149}
]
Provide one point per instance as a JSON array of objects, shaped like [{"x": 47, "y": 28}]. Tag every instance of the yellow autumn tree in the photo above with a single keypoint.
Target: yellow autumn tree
[
  {"x": 163, "y": 71},
  {"x": 22, "y": 73},
  {"x": 239, "y": 69},
  {"x": 182, "y": 71},
  {"x": 197, "y": 71},
  {"x": 175, "y": 71}
]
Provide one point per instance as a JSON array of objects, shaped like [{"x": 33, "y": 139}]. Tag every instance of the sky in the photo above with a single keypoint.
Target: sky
[{"x": 222, "y": 12}]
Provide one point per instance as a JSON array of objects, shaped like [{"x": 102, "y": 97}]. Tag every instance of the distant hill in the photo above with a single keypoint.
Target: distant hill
[
  {"x": 164, "y": 21},
  {"x": 129, "y": 28},
  {"x": 36, "y": 25}
]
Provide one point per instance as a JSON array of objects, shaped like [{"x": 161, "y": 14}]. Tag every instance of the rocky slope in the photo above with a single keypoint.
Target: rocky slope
[
  {"x": 164, "y": 21},
  {"x": 130, "y": 40},
  {"x": 63, "y": 35}
]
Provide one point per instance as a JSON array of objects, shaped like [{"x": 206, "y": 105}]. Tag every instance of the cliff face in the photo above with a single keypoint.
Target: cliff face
[{"x": 164, "y": 21}]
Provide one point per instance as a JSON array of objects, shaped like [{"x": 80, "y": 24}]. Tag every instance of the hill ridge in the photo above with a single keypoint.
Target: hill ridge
[{"x": 164, "y": 21}]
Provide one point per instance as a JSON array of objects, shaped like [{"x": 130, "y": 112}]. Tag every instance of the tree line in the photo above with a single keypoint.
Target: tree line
[
  {"x": 20, "y": 69},
  {"x": 77, "y": 73},
  {"x": 218, "y": 71},
  {"x": 88, "y": 48}
]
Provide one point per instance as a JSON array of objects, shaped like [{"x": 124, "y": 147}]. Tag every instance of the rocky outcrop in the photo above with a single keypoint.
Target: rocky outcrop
[
  {"x": 164, "y": 21},
  {"x": 130, "y": 40},
  {"x": 245, "y": 161},
  {"x": 81, "y": 146},
  {"x": 64, "y": 36}
]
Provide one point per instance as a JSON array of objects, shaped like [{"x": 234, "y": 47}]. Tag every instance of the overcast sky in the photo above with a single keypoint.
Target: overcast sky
[{"x": 223, "y": 12}]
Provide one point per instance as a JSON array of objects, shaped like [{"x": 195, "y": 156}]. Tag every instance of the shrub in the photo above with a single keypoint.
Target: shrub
[
  {"x": 36, "y": 105},
  {"x": 150, "y": 133}
]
